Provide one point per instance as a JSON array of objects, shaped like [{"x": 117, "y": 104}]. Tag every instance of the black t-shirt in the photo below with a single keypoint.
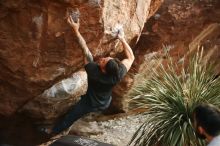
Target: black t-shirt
[{"x": 100, "y": 84}]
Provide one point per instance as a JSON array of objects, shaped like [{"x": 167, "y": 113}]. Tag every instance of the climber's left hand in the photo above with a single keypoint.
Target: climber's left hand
[{"x": 74, "y": 25}]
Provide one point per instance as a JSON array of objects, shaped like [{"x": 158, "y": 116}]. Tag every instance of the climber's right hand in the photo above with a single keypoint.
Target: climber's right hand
[
  {"x": 74, "y": 25},
  {"x": 121, "y": 34}
]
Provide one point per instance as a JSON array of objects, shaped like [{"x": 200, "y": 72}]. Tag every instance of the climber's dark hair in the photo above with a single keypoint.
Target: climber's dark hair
[
  {"x": 112, "y": 67},
  {"x": 208, "y": 117}
]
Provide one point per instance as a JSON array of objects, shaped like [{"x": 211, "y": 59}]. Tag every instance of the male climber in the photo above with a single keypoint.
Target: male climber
[{"x": 103, "y": 75}]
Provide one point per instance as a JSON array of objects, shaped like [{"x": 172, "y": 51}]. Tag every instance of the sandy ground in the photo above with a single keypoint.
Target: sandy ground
[{"x": 117, "y": 131}]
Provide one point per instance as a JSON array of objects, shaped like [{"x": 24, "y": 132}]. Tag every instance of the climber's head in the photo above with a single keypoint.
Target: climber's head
[{"x": 109, "y": 65}]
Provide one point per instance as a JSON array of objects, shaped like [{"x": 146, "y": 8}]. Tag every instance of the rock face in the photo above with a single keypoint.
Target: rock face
[
  {"x": 38, "y": 48},
  {"x": 57, "y": 99}
]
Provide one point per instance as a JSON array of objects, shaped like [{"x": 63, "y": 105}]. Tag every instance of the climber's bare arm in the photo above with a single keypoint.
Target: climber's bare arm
[
  {"x": 87, "y": 54},
  {"x": 127, "y": 50}
]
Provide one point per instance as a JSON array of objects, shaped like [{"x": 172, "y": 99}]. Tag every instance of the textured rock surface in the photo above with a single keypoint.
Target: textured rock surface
[
  {"x": 37, "y": 48},
  {"x": 56, "y": 100}
]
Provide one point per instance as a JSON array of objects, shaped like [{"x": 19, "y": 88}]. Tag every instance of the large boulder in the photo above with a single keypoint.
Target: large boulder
[{"x": 38, "y": 48}]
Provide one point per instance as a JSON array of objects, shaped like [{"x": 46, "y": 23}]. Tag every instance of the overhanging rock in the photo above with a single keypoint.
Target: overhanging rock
[{"x": 38, "y": 48}]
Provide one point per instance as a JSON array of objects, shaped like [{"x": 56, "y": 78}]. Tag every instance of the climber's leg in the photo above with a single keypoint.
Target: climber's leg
[{"x": 77, "y": 111}]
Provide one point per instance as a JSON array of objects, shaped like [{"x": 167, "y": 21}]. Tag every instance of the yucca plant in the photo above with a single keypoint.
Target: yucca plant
[{"x": 170, "y": 97}]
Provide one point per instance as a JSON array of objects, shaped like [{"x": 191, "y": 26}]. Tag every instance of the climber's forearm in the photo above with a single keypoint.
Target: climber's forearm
[
  {"x": 127, "y": 49},
  {"x": 84, "y": 47},
  {"x": 129, "y": 59}
]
